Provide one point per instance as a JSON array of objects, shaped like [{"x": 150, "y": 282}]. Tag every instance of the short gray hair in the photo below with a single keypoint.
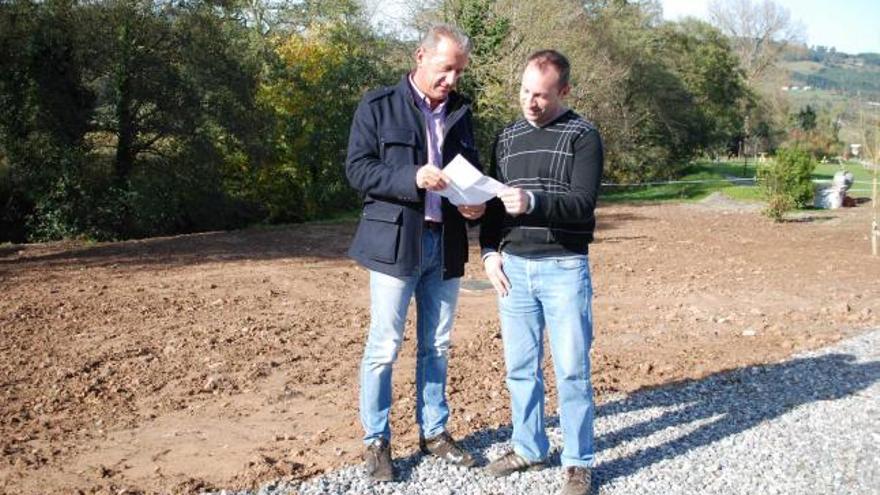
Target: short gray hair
[{"x": 437, "y": 31}]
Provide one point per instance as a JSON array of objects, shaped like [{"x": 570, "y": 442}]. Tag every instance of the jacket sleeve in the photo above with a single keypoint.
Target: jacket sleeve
[
  {"x": 473, "y": 156},
  {"x": 493, "y": 219},
  {"x": 586, "y": 176},
  {"x": 364, "y": 168}
]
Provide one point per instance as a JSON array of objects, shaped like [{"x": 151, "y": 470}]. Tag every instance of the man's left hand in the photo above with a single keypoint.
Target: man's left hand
[
  {"x": 516, "y": 200},
  {"x": 472, "y": 212}
]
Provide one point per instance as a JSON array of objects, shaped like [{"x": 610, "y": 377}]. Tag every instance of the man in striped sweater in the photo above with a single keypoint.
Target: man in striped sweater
[{"x": 535, "y": 240}]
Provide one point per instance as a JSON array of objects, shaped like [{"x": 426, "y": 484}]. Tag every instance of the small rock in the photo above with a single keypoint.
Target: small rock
[
  {"x": 749, "y": 332},
  {"x": 210, "y": 384}
]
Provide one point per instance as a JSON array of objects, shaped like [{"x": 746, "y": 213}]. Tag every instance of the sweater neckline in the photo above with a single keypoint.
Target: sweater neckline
[{"x": 551, "y": 123}]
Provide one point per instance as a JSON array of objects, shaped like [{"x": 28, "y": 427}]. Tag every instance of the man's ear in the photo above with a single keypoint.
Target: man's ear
[
  {"x": 563, "y": 91},
  {"x": 419, "y": 55}
]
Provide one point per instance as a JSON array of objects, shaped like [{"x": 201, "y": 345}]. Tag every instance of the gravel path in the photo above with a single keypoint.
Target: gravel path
[{"x": 807, "y": 425}]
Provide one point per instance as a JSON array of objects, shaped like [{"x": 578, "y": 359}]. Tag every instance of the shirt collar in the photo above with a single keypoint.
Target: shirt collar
[{"x": 422, "y": 100}]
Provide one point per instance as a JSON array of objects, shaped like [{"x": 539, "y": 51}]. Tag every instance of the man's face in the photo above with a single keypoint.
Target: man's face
[
  {"x": 540, "y": 95},
  {"x": 438, "y": 69}
]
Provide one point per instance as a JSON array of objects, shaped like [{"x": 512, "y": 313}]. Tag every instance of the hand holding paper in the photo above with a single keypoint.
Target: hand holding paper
[{"x": 467, "y": 186}]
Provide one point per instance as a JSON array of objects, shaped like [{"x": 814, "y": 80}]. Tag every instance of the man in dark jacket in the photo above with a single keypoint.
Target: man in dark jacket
[{"x": 412, "y": 240}]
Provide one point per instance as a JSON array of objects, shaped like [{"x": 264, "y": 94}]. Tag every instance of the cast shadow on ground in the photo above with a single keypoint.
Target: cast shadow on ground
[
  {"x": 808, "y": 219},
  {"x": 709, "y": 410},
  {"x": 728, "y": 403},
  {"x": 319, "y": 241}
]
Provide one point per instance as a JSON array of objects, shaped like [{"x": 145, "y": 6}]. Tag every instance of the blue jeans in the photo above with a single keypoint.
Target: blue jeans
[
  {"x": 557, "y": 292},
  {"x": 435, "y": 307}
]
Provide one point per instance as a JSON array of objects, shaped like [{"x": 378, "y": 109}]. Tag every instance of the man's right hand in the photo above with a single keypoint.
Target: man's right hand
[
  {"x": 431, "y": 178},
  {"x": 493, "y": 264}
]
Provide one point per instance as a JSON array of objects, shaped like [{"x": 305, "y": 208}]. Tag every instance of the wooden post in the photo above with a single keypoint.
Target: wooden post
[
  {"x": 875, "y": 229},
  {"x": 875, "y": 160}
]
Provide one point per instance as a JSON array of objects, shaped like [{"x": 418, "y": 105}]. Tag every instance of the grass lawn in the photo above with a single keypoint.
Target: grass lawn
[{"x": 717, "y": 176}]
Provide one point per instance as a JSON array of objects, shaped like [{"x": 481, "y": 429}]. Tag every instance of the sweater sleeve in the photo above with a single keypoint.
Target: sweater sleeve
[
  {"x": 363, "y": 167},
  {"x": 493, "y": 218},
  {"x": 579, "y": 203}
]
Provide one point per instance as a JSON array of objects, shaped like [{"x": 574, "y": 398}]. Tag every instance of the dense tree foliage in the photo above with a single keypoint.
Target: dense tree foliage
[{"x": 130, "y": 118}]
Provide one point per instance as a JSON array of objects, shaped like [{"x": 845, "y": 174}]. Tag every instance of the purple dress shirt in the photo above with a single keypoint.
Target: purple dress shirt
[{"x": 435, "y": 126}]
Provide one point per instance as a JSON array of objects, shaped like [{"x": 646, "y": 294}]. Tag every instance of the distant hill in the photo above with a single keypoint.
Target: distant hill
[
  {"x": 827, "y": 69},
  {"x": 843, "y": 87}
]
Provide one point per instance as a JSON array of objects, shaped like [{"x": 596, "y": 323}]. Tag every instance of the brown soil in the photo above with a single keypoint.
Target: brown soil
[{"x": 224, "y": 360}]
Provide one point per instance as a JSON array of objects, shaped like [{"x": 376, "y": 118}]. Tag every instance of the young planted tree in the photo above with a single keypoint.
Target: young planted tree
[{"x": 787, "y": 181}]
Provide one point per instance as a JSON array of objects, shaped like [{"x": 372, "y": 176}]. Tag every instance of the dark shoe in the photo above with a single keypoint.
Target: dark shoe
[
  {"x": 444, "y": 447},
  {"x": 377, "y": 460},
  {"x": 510, "y": 463},
  {"x": 577, "y": 481}
]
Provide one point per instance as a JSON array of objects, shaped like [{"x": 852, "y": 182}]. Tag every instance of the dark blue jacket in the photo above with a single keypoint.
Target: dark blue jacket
[{"x": 386, "y": 147}]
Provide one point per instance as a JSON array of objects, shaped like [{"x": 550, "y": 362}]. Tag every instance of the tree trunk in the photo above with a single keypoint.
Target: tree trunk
[{"x": 125, "y": 125}]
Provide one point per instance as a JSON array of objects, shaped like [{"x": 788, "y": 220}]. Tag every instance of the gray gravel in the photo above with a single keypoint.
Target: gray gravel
[{"x": 807, "y": 425}]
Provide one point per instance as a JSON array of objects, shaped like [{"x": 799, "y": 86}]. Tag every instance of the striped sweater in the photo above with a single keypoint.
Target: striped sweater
[{"x": 561, "y": 164}]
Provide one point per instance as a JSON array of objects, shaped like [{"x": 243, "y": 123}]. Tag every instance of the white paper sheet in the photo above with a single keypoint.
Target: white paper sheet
[{"x": 467, "y": 185}]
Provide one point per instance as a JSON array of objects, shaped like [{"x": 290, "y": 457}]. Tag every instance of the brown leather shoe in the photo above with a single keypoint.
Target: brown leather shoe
[
  {"x": 577, "y": 481},
  {"x": 444, "y": 447},
  {"x": 377, "y": 460},
  {"x": 510, "y": 463}
]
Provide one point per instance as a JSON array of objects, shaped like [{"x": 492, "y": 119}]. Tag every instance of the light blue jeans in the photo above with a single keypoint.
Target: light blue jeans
[
  {"x": 435, "y": 309},
  {"x": 556, "y": 292}
]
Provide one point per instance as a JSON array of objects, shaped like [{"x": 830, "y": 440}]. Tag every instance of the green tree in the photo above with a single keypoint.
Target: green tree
[
  {"x": 805, "y": 119},
  {"x": 489, "y": 31},
  {"x": 177, "y": 108},
  {"x": 322, "y": 72},
  {"x": 682, "y": 93},
  {"x": 123, "y": 117},
  {"x": 45, "y": 111},
  {"x": 702, "y": 57}
]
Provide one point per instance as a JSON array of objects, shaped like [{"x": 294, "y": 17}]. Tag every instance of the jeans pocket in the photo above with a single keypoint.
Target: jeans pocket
[{"x": 570, "y": 262}]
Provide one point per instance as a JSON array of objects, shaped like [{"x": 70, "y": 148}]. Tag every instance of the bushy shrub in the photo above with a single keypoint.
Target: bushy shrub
[{"x": 787, "y": 181}]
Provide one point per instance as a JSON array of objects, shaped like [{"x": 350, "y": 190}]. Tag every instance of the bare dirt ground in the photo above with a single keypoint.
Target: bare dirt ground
[{"x": 224, "y": 360}]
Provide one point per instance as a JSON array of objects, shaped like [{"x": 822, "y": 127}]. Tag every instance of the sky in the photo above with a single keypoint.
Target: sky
[{"x": 851, "y": 26}]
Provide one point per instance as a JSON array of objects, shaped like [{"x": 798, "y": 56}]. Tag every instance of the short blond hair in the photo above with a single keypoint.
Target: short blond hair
[{"x": 552, "y": 58}]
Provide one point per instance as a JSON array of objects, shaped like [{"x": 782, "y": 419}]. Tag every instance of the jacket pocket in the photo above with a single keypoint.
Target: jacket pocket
[
  {"x": 398, "y": 145},
  {"x": 380, "y": 231}
]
